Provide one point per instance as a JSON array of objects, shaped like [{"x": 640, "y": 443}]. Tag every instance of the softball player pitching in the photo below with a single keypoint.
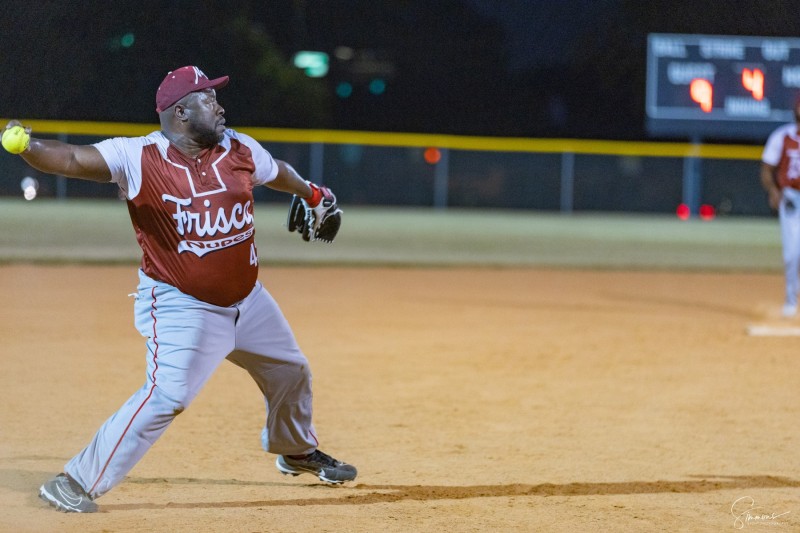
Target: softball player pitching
[
  {"x": 189, "y": 194},
  {"x": 780, "y": 173}
]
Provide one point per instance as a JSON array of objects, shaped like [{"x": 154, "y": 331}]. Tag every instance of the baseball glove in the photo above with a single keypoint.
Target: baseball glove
[{"x": 318, "y": 223}]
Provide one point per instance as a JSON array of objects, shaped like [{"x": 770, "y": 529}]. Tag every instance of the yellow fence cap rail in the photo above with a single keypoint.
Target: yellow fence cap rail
[{"x": 454, "y": 142}]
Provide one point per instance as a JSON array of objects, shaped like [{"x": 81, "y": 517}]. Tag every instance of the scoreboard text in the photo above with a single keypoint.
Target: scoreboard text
[{"x": 720, "y": 86}]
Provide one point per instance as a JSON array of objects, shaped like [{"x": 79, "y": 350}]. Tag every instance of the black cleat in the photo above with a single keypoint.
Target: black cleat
[{"x": 325, "y": 467}]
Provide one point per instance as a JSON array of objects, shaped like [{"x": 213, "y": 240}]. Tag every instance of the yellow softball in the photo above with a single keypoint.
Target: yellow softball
[{"x": 16, "y": 139}]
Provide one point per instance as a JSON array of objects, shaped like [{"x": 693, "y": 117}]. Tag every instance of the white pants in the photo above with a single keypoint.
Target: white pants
[
  {"x": 186, "y": 340},
  {"x": 789, "y": 215}
]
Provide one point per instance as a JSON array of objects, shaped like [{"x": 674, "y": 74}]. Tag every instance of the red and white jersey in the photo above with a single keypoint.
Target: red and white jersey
[
  {"x": 783, "y": 151},
  {"x": 193, "y": 216}
]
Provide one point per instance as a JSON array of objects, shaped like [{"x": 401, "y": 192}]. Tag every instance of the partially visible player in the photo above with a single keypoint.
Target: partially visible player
[
  {"x": 189, "y": 190},
  {"x": 780, "y": 178}
]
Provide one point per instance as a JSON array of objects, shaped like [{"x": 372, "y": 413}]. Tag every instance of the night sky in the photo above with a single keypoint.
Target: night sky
[{"x": 571, "y": 68}]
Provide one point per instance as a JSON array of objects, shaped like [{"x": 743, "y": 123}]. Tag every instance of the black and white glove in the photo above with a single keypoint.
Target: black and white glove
[{"x": 316, "y": 218}]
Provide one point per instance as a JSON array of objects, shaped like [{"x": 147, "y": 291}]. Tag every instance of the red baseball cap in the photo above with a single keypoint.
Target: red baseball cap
[{"x": 183, "y": 81}]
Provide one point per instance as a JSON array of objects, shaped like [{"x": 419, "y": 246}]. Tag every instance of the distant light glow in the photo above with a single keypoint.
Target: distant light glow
[
  {"x": 344, "y": 90},
  {"x": 127, "y": 40},
  {"x": 29, "y": 186},
  {"x": 707, "y": 212},
  {"x": 432, "y": 155},
  {"x": 345, "y": 53},
  {"x": 377, "y": 86},
  {"x": 314, "y": 64},
  {"x": 683, "y": 212}
]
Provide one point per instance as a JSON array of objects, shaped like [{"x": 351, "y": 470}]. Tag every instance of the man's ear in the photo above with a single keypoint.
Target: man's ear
[{"x": 180, "y": 112}]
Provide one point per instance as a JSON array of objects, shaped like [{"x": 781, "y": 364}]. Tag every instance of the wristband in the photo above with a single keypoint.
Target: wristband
[{"x": 316, "y": 196}]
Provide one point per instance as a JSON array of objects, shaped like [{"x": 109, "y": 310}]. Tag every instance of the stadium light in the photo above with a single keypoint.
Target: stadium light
[{"x": 314, "y": 64}]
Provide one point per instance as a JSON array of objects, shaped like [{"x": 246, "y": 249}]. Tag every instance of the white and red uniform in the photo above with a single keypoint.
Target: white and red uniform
[
  {"x": 782, "y": 150},
  {"x": 198, "y": 300},
  {"x": 194, "y": 216}
]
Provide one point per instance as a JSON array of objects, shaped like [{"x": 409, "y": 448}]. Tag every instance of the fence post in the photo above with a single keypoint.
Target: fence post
[
  {"x": 441, "y": 176},
  {"x": 567, "y": 181},
  {"x": 692, "y": 179}
]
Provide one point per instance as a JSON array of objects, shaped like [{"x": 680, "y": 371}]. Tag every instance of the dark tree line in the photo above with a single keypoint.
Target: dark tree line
[{"x": 450, "y": 61}]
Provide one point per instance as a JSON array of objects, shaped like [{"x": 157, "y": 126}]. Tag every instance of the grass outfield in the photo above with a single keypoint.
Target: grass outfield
[{"x": 99, "y": 231}]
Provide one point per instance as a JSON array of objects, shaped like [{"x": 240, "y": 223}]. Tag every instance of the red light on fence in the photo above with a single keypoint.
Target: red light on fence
[
  {"x": 753, "y": 81},
  {"x": 702, "y": 92},
  {"x": 683, "y": 212},
  {"x": 432, "y": 155},
  {"x": 707, "y": 212}
]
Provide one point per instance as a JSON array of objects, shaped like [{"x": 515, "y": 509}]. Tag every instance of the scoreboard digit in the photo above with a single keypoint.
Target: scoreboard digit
[{"x": 720, "y": 86}]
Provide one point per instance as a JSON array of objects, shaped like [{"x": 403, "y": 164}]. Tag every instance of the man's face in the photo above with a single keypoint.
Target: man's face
[{"x": 206, "y": 124}]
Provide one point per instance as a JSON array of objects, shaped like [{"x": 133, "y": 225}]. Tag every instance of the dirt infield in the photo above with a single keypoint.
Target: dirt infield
[{"x": 469, "y": 399}]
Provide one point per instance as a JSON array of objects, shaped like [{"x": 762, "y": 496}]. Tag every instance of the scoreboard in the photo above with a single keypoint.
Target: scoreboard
[{"x": 720, "y": 86}]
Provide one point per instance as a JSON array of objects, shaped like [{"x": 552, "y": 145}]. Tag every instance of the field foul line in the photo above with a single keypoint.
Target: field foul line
[{"x": 773, "y": 331}]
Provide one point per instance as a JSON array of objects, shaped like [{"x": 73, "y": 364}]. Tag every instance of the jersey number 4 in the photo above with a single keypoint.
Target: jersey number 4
[{"x": 253, "y": 254}]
